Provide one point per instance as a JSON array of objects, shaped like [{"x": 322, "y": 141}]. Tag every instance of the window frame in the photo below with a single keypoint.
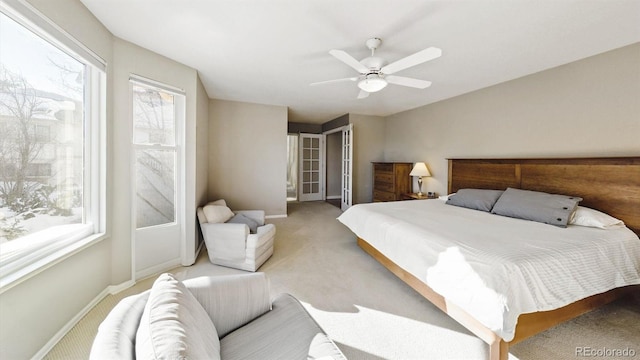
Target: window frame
[
  {"x": 60, "y": 242},
  {"x": 179, "y": 113}
]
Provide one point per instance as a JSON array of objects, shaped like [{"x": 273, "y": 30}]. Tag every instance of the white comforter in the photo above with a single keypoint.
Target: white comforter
[{"x": 494, "y": 267}]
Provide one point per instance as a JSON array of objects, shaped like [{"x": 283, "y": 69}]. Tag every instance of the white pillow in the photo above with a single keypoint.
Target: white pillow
[
  {"x": 220, "y": 202},
  {"x": 584, "y": 216},
  {"x": 217, "y": 213},
  {"x": 174, "y": 325}
]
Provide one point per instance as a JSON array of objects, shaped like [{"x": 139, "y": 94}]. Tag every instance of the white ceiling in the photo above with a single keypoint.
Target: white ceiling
[{"x": 269, "y": 51}]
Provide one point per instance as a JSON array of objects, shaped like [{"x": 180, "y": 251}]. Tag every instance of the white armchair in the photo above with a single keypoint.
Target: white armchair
[{"x": 232, "y": 244}]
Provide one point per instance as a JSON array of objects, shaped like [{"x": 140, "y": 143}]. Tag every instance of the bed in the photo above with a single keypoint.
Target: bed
[{"x": 506, "y": 279}]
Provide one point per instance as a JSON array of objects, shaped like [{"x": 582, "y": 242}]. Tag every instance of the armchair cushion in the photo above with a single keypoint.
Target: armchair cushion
[
  {"x": 242, "y": 219},
  {"x": 174, "y": 325},
  {"x": 217, "y": 213}
]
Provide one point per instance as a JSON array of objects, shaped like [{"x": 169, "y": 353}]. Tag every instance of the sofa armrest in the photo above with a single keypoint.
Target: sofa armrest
[
  {"x": 116, "y": 335},
  {"x": 231, "y": 301},
  {"x": 257, "y": 215}
]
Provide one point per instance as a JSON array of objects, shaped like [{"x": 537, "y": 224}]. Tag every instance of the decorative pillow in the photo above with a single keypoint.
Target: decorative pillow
[
  {"x": 243, "y": 219},
  {"x": 536, "y": 206},
  {"x": 585, "y": 216},
  {"x": 476, "y": 199},
  {"x": 217, "y": 213},
  {"x": 174, "y": 325},
  {"x": 220, "y": 202}
]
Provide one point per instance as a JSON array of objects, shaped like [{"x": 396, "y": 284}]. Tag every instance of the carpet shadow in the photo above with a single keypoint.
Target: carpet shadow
[{"x": 352, "y": 353}]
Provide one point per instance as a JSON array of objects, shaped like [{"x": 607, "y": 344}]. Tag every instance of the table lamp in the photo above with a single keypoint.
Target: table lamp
[{"x": 420, "y": 170}]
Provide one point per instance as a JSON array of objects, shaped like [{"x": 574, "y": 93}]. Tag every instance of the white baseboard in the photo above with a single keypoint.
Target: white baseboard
[
  {"x": 333, "y": 197},
  {"x": 275, "y": 216},
  {"x": 157, "y": 269},
  {"x": 114, "y": 289},
  {"x": 69, "y": 325},
  {"x": 110, "y": 290}
]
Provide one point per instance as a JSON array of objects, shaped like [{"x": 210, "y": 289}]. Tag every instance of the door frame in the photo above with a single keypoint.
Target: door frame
[
  {"x": 340, "y": 129},
  {"x": 180, "y": 188}
]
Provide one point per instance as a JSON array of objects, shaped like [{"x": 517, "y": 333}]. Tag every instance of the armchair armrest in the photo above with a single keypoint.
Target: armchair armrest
[{"x": 231, "y": 301}]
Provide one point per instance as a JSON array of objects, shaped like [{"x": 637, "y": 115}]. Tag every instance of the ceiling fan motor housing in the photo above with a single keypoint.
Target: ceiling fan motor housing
[{"x": 373, "y": 63}]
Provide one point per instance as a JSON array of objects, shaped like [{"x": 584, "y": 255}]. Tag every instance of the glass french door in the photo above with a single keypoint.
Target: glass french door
[
  {"x": 311, "y": 167},
  {"x": 347, "y": 167}
]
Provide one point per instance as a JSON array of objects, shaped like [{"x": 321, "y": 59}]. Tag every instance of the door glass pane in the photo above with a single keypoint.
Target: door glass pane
[
  {"x": 155, "y": 184},
  {"x": 153, "y": 116},
  {"x": 292, "y": 167}
]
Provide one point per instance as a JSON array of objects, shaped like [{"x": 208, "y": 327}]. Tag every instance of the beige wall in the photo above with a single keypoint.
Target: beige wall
[
  {"x": 368, "y": 146},
  {"x": 248, "y": 155},
  {"x": 587, "y": 108},
  {"x": 132, "y": 59}
]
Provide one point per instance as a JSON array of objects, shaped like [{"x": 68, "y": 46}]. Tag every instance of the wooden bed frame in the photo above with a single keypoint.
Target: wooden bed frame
[{"x": 611, "y": 185}]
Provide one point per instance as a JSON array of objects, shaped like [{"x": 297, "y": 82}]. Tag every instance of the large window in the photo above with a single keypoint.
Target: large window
[{"x": 49, "y": 142}]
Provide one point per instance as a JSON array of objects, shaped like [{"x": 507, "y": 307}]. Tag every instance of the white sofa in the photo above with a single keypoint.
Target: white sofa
[
  {"x": 224, "y": 317},
  {"x": 233, "y": 244}
]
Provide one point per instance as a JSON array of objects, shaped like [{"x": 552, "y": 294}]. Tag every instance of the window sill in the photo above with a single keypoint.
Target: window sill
[{"x": 28, "y": 271}]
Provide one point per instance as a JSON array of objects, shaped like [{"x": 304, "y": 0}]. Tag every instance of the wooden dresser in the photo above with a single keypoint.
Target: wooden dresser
[{"x": 391, "y": 180}]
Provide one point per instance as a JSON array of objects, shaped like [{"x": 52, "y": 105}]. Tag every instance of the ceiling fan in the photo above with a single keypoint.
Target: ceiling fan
[{"x": 376, "y": 74}]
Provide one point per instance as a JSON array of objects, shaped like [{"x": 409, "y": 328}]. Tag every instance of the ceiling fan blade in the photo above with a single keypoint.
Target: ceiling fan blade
[
  {"x": 334, "y": 81},
  {"x": 349, "y": 60},
  {"x": 363, "y": 94},
  {"x": 405, "y": 81},
  {"x": 412, "y": 60}
]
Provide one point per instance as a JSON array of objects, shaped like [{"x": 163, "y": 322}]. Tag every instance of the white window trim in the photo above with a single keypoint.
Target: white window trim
[
  {"x": 28, "y": 16},
  {"x": 64, "y": 241}
]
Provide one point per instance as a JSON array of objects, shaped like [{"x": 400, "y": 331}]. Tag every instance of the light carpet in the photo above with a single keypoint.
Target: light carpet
[{"x": 370, "y": 313}]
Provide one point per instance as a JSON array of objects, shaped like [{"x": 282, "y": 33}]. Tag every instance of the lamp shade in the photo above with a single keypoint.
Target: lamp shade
[{"x": 420, "y": 169}]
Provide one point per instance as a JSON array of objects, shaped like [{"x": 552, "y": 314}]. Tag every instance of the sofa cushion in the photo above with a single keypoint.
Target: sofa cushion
[
  {"x": 285, "y": 332},
  {"x": 174, "y": 325},
  {"x": 232, "y": 300},
  {"x": 217, "y": 213}
]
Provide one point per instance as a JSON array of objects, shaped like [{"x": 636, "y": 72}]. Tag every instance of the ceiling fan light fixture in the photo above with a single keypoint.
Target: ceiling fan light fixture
[{"x": 372, "y": 83}]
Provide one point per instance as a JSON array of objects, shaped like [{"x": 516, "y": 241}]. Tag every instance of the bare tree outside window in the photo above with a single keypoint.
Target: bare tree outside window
[{"x": 41, "y": 134}]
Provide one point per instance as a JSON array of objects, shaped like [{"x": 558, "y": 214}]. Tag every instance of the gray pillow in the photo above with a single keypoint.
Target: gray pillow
[
  {"x": 242, "y": 219},
  {"x": 536, "y": 206},
  {"x": 476, "y": 199}
]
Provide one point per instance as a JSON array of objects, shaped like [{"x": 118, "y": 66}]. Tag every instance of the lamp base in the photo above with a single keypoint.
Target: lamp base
[{"x": 420, "y": 186}]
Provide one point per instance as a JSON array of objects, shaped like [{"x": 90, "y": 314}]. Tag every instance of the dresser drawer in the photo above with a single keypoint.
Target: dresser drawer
[
  {"x": 383, "y": 186},
  {"x": 383, "y": 196},
  {"x": 388, "y": 167},
  {"x": 384, "y": 177}
]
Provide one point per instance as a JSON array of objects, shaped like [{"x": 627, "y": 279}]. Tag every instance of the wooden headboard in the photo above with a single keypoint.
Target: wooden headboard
[{"x": 611, "y": 185}]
